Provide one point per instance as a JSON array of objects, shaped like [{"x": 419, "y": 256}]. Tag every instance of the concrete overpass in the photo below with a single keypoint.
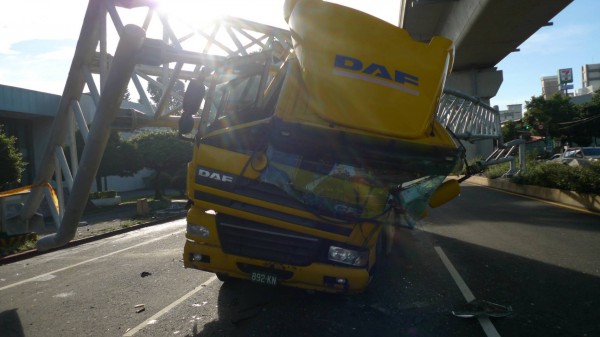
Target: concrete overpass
[{"x": 484, "y": 33}]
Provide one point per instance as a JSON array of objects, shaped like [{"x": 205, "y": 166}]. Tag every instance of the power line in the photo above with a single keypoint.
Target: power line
[{"x": 577, "y": 122}]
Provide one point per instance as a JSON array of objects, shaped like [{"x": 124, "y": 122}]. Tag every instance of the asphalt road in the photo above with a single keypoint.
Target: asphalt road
[
  {"x": 542, "y": 259},
  {"x": 537, "y": 258}
]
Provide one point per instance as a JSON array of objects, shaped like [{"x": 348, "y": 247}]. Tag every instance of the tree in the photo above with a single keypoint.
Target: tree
[
  {"x": 127, "y": 95},
  {"x": 544, "y": 116},
  {"x": 560, "y": 118},
  {"x": 165, "y": 153},
  {"x": 586, "y": 125},
  {"x": 156, "y": 91},
  {"x": 120, "y": 159},
  {"x": 11, "y": 161},
  {"x": 509, "y": 131}
]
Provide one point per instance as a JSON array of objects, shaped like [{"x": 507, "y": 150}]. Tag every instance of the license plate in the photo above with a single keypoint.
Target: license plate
[{"x": 263, "y": 278}]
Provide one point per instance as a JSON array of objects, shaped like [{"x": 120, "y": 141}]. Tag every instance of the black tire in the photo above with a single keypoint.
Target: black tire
[{"x": 223, "y": 277}]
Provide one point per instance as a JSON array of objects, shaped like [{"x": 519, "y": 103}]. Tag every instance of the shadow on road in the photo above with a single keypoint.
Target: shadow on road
[{"x": 10, "y": 324}]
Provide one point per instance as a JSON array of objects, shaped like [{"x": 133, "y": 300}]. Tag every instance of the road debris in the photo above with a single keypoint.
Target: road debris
[
  {"x": 477, "y": 308},
  {"x": 139, "y": 308},
  {"x": 145, "y": 273}
]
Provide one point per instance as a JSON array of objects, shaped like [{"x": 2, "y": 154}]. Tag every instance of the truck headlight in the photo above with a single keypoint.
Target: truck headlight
[
  {"x": 198, "y": 230},
  {"x": 348, "y": 256}
]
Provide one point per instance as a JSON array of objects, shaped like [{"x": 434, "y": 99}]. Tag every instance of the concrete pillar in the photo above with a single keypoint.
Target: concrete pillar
[{"x": 481, "y": 83}]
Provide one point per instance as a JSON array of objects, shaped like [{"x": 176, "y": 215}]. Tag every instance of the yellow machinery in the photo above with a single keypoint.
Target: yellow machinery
[{"x": 298, "y": 165}]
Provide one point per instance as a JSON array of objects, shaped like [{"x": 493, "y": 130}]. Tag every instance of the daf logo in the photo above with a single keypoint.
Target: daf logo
[
  {"x": 215, "y": 176},
  {"x": 375, "y": 73}
]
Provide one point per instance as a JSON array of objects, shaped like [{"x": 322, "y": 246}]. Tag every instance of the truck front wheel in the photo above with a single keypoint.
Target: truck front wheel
[{"x": 223, "y": 277}]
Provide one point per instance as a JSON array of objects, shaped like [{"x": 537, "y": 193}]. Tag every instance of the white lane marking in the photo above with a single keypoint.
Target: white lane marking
[
  {"x": 45, "y": 276},
  {"x": 464, "y": 289},
  {"x": 485, "y": 322},
  {"x": 154, "y": 318}
]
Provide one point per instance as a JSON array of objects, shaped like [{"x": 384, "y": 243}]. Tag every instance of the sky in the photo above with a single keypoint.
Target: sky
[
  {"x": 572, "y": 41},
  {"x": 38, "y": 38}
]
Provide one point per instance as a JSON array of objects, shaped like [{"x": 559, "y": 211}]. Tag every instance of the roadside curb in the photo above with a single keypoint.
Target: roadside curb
[
  {"x": 34, "y": 252},
  {"x": 589, "y": 202}
]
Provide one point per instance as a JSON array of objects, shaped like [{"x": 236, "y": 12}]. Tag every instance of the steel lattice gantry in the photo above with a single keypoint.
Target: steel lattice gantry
[{"x": 125, "y": 44}]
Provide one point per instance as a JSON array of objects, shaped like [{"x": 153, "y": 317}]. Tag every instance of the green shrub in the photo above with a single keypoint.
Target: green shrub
[
  {"x": 496, "y": 171},
  {"x": 588, "y": 179},
  {"x": 156, "y": 205},
  {"x": 580, "y": 179},
  {"x": 103, "y": 194}
]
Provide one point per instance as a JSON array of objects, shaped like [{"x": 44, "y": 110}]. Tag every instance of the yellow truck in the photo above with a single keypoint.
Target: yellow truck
[{"x": 303, "y": 158}]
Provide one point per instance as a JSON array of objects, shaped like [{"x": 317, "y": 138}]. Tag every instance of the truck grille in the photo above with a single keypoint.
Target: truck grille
[{"x": 260, "y": 241}]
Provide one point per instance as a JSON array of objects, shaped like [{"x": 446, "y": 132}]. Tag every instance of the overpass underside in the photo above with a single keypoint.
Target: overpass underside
[{"x": 484, "y": 33}]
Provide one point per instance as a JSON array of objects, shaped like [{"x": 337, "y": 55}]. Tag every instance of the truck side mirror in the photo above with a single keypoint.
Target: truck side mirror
[
  {"x": 191, "y": 104},
  {"x": 447, "y": 191},
  {"x": 185, "y": 124},
  {"x": 193, "y": 96}
]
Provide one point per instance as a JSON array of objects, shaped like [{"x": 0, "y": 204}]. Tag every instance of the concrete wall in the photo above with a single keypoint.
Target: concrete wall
[
  {"x": 41, "y": 129},
  {"x": 123, "y": 184},
  {"x": 479, "y": 149},
  {"x": 579, "y": 200}
]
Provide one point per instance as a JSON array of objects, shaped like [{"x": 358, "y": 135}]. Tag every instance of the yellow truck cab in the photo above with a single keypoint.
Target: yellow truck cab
[{"x": 298, "y": 165}]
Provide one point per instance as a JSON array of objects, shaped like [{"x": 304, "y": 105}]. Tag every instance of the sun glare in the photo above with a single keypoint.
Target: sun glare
[
  {"x": 270, "y": 12},
  {"x": 193, "y": 12},
  {"x": 198, "y": 13}
]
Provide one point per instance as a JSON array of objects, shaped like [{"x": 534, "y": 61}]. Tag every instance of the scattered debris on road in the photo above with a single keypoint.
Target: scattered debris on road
[{"x": 478, "y": 308}]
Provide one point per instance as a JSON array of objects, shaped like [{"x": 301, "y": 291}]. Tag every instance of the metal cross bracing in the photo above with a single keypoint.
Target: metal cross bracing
[
  {"x": 472, "y": 120},
  {"x": 468, "y": 118},
  {"x": 129, "y": 45},
  {"x": 176, "y": 50}
]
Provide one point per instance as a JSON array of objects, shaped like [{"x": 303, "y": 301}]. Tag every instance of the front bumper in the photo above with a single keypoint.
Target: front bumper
[{"x": 315, "y": 276}]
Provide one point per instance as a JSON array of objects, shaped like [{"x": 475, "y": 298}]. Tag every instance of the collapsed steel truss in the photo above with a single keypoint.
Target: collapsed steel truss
[
  {"x": 468, "y": 117},
  {"x": 108, "y": 60},
  {"x": 115, "y": 53}
]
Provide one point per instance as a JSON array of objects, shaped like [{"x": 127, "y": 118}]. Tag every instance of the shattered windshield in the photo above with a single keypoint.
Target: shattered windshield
[
  {"x": 349, "y": 191},
  {"x": 234, "y": 97}
]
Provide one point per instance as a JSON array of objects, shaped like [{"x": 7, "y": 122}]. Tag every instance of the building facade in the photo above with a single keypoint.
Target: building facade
[
  {"x": 28, "y": 115},
  {"x": 549, "y": 86},
  {"x": 590, "y": 78},
  {"x": 513, "y": 112}
]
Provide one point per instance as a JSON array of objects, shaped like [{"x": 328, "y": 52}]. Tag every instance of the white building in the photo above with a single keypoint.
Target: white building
[
  {"x": 549, "y": 86},
  {"x": 513, "y": 112},
  {"x": 590, "y": 79}
]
